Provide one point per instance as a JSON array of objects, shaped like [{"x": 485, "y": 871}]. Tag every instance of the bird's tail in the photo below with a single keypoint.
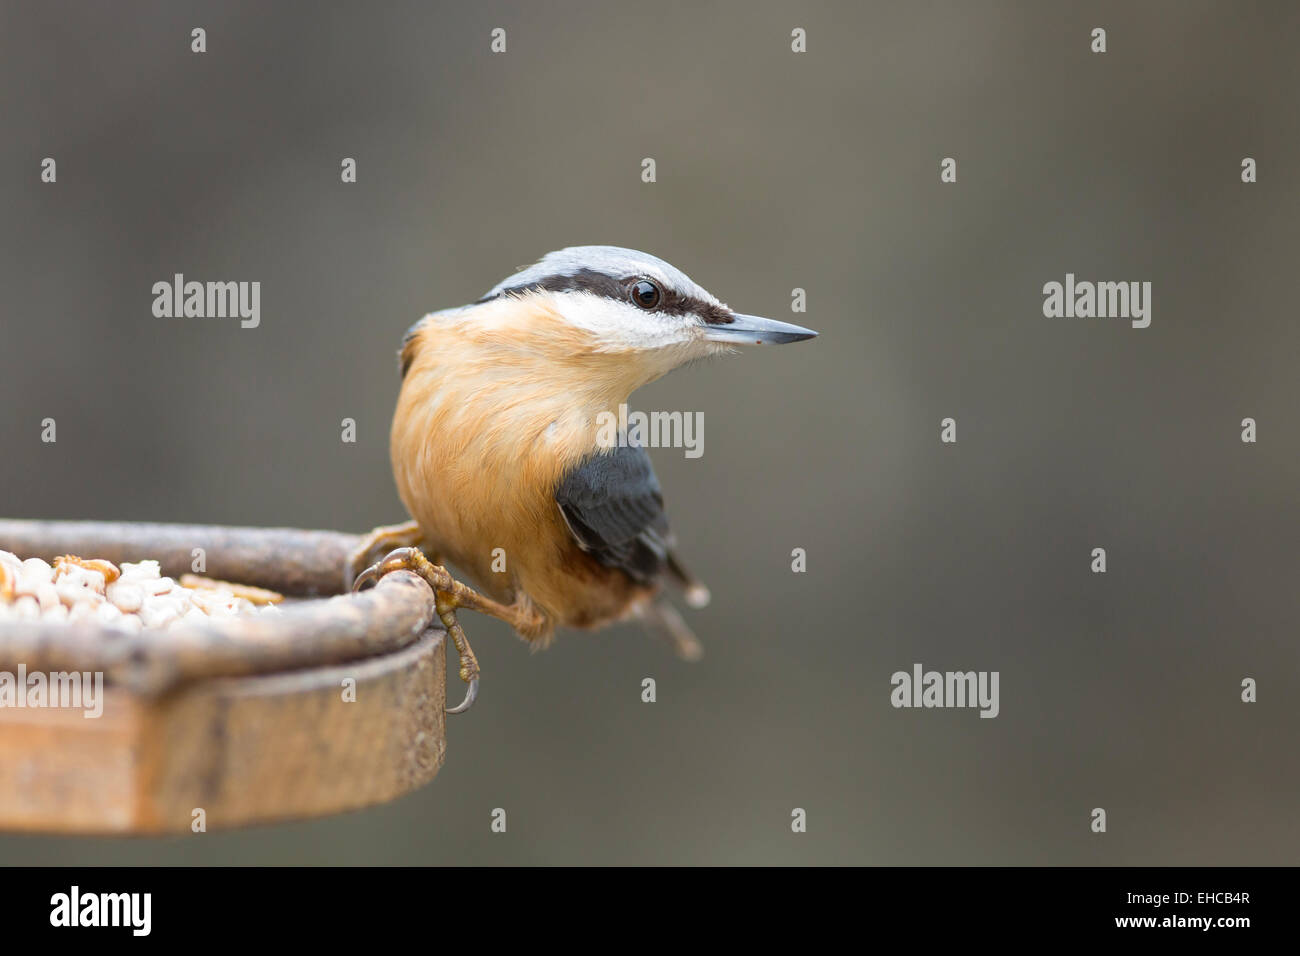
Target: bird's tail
[
  {"x": 663, "y": 619},
  {"x": 697, "y": 595}
]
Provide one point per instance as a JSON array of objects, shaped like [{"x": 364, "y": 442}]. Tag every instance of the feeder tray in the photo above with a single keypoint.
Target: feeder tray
[{"x": 243, "y": 718}]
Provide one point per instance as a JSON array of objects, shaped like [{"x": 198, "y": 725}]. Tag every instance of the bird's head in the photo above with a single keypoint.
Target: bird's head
[{"x": 630, "y": 308}]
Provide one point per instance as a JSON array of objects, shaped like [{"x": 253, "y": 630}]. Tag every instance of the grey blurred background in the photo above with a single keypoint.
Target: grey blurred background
[{"x": 775, "y": 170}]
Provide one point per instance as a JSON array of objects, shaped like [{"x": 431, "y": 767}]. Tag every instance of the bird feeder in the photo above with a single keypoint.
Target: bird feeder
[{"x": 336, "y": 703}]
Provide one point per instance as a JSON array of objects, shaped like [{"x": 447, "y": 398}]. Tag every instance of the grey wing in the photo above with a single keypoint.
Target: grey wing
[{"x": 613, "y": 506}]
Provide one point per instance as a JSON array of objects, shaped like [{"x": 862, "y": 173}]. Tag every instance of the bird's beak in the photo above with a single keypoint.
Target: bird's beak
[{"x": 755, "y": 330}]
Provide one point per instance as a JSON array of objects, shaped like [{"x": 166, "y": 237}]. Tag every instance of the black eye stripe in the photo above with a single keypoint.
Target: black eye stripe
[{"x": 619, "y": 288}]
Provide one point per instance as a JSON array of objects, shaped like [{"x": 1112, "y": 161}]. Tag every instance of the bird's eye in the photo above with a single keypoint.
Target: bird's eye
[{"x": 645, "y": 294}]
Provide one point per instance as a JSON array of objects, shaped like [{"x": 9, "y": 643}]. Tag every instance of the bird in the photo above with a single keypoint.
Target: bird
[{"x": 499, "y": 459}]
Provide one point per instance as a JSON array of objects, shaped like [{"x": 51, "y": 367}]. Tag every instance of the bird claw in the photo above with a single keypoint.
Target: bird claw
[
  {"x": 471, "y": 695},
  {"x": 369, "y": 576},
  {"x": 381, "y": 540},
  {"x": 412, "y": 559}
]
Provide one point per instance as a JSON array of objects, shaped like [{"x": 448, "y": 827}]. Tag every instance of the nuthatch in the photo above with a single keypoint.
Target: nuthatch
[{"x": 496, "y": 453}]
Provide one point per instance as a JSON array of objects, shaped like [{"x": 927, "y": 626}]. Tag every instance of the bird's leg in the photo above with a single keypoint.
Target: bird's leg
[
  {"x": 451, "y": 595},
  {"x": 468, "y": 662},
  {"x": 379, "y": 542}
]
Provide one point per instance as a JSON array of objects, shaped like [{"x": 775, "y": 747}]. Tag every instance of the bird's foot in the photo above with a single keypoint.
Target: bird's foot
[
  {"x": 449, "y": 594},
  {"x": 378, "y": 543}
]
